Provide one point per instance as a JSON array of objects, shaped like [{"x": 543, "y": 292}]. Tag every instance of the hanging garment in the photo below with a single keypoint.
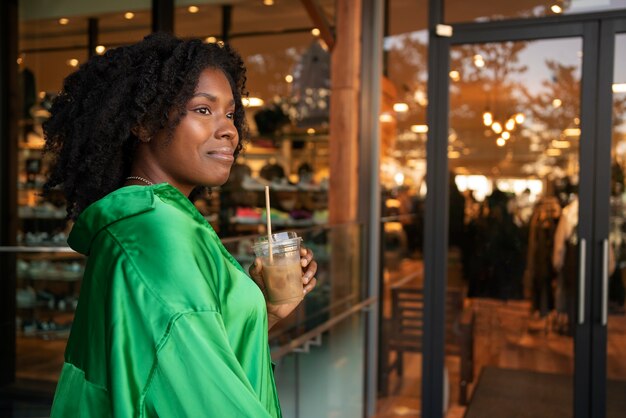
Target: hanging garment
[{"x": 168, "y": 323}]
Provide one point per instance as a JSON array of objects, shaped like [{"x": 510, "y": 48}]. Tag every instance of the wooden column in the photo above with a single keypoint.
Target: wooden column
[
  {"x": 344, "y": 113},
  {"x": 345, "y": 262}
]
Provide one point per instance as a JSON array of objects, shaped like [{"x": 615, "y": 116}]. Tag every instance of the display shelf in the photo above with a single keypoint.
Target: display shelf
[
  {"x": 52, "y": 253},
  {"x": 301, "y": 223},
  {"x": 44, "y": 307},
  {"x": 51, "y": 277},
  {"x": 37, "y": 212}
]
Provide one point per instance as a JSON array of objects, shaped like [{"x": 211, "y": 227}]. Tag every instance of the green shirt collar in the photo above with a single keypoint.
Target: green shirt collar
[{"x": 120, "y": 204}]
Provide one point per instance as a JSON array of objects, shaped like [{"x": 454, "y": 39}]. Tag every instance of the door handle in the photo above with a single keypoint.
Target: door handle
[
  {"x": 581, "y": 281},
  {"x": 605, "y": 281}
]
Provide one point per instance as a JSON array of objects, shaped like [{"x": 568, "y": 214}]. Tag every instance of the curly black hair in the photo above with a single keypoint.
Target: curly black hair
[{"x": 90, "y": 131}]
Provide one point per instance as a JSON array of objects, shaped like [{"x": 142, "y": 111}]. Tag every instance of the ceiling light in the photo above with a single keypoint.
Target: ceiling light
[
  {"x": 100, "y": 49},
  {"x": 289, "y": 78},
  {"x": 561, "y": 144},
  {"x": 501, "y": 142},
  {"x": 619, "y": 87},
  {"x": 420, "y": 97},
  {"x": 310, "y": 131},
  {"x": 520, "y": 118},
  {"x": 252, "y": 102},
  {"x": 400, "y": 107},
  {"x": 129, "y": 15},
  {"x": 64, "y": 21},
  {"x": 479, "y": 61},
  {"x": 419, "y": 129},
  {"x": 510, "y": 124},
  {"x": 497, "y": 127},
  {"x": 487, "y": 118},
  {"x": 556, "y": 8},
  {"x": 455, "y": 75},
  {"x": 315, "y": 32},
  {"x": 268, "y": 2},
  {"x": 506, "y": 135},
  {"x": 557, "y": 103},
  {"x": 571, "y": 132},
  {"x": 193, "y": 9},
  {"x": 385, "y": 118},
  {"x": 211, "y": 39},
  {"x": 72, "y": 62}
]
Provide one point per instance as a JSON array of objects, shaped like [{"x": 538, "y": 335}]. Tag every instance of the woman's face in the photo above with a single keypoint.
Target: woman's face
[{"x": 200, "y": 153}]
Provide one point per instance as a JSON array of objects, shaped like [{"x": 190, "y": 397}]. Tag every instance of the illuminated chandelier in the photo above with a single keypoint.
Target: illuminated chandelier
[{"x": 503, "y": 129}]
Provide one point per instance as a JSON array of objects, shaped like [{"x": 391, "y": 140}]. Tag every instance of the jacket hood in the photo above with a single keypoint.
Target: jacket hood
[{"x": 120, "y": 204}]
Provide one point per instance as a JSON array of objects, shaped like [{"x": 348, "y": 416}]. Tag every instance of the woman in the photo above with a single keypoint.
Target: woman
[{"x": 168, "y": 324}]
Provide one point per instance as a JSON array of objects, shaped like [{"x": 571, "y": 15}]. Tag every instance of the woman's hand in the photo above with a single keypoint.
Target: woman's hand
[{"x": 277, "y": 312}]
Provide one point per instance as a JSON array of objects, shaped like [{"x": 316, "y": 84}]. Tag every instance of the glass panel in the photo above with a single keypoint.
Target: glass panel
[
  {"x": 124, "y": 27},
  {"x": 47, "y": 283},
  {"x": 325, "y": 374},
  {"x": 332, "y": 375},
  {"x": 251, "y": 16},
  {"x": 616, "y": 335},
  {"x": 513, "y": 155},
  {"x": 198, "y": 20},
  {"x": 289, "y": 86},
  {"x": 288, "y": 79},
  {"x": 484, "y": 10},
  {"x": 48, "y": 280},
  {"x": 403, "y": 187}
]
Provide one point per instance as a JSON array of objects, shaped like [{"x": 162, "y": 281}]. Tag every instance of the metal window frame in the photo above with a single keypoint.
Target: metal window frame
[
  {"x": 8, "y": 184},
  {"x": 590, "y": 368}
]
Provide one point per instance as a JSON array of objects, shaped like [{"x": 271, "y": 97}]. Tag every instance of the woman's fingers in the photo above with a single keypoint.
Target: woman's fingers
[
  {"x": 310, "y": 272},
  {"x": 306, "y": 255},
  {"x": 310, "y": 285}
]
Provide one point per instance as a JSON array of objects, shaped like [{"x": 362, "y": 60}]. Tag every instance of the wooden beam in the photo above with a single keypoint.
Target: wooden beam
[
  {"x": 344, "y": 114},
  {"x": 319, "y": 20}
]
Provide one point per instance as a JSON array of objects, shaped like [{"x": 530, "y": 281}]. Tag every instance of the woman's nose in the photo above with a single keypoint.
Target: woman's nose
[{"x": 226, "y": 130}]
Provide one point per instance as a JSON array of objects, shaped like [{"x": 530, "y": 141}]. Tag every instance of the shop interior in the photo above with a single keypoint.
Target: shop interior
[{"x": 513, "y": 154}]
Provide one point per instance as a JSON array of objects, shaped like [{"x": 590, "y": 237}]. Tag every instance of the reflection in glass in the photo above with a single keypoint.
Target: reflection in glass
[
  {"x": 616, "y": 326},
  {"x": 403, "y": 133},
  {"x": 484, "y": 10},
  {"x": 513, "y": 156}
]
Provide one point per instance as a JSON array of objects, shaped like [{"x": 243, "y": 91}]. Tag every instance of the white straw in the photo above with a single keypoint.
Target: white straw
[{"x": 269, "y": 223}]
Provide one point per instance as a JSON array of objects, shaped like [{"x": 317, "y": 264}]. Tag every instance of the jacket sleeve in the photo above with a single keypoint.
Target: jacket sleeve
[{"x": 197, "y": 374}]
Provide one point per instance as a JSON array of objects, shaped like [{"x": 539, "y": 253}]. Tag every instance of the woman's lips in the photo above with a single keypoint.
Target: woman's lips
[{"x": 225, "y": 154}]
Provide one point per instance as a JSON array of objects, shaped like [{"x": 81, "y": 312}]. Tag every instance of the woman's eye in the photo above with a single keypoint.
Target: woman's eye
[
  {"x": 204, "y": 110},
  {"x": 231, "y": 115}
]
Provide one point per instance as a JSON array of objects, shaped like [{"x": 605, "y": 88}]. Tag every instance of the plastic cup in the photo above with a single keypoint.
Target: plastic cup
[{"x": 282, "y": 274}]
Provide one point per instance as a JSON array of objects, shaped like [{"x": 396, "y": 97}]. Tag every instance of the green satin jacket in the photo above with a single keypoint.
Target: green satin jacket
[{"x": 168, "y": 324}]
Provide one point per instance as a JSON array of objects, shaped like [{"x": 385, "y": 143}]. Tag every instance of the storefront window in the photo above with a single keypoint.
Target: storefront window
[
  {"x": 403, "y": 185},
  {"x": 288, "y": 79},
  {"x": 52, "y": 44},
  {"x": 462, "y": 11}
]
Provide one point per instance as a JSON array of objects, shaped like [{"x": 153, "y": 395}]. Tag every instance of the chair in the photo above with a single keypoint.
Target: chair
[{"x": 404, "y": 331}]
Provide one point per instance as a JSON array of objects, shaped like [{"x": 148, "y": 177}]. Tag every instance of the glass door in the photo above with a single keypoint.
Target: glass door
[
  {"x": 611, "y": 235},
  {"x": 520, "y": 204}
]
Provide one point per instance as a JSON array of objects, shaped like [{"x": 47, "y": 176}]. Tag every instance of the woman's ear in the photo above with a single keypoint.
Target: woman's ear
[{"x": 141, "y": 133}]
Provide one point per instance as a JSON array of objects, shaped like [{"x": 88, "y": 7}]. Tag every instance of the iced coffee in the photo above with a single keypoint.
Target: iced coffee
[{"x": 282, "y": 272}]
